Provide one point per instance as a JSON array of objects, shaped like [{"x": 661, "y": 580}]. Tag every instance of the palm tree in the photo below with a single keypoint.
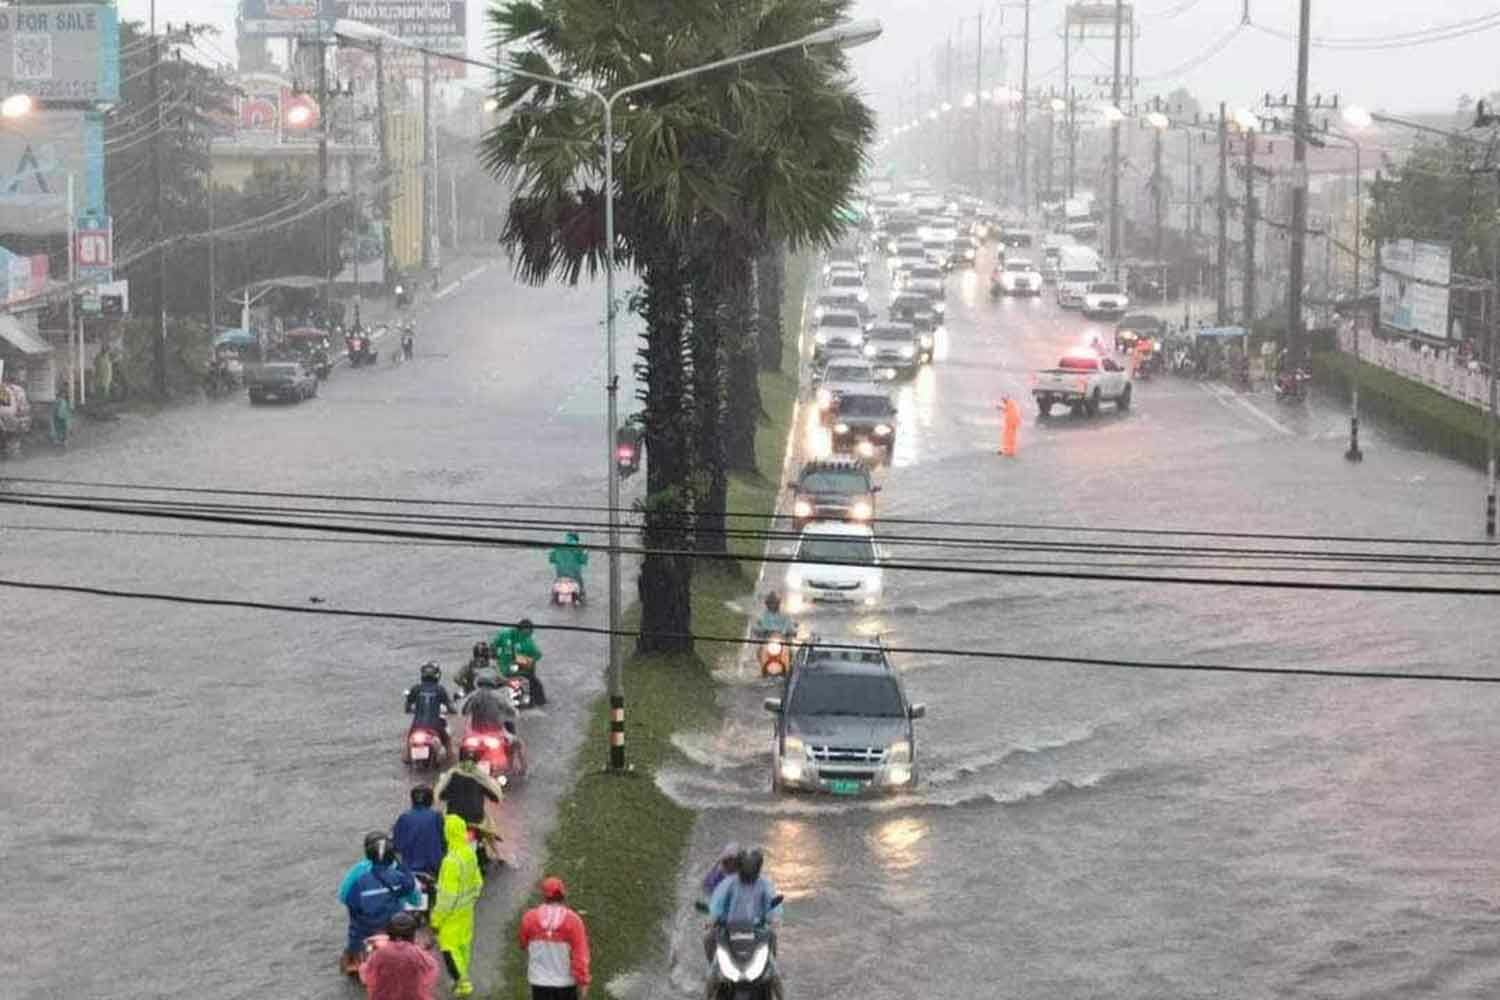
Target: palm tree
[{"x": 770, "y": 289}]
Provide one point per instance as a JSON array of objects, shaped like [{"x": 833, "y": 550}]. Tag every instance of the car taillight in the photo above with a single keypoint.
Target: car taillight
[
  {"x": 625, "y": 453},
  {"x": 773, "y": 648},
  {"x": 420, "y": 738},
  {"x": 491, "y": 743}
]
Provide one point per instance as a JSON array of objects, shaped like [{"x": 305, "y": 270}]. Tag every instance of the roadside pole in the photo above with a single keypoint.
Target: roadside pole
[
  {"x": 1025, "y": 138},
  {"x": 1494, "y": 324},
  {"x": 1249, "y": 297},
  {"x": 1222, "y": 316},
  {"x": 328, "y": 250}
]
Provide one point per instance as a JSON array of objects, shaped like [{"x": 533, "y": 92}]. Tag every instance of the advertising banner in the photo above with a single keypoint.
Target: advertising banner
[
  {"x": 285, "y": 18},
  {"x": 1414, "y": 279},
  {"x": 38, "y": 153},
  {"x": 93, "y": 250},
  {"x": 68, "y": 52},
  {"x": 441, "y": 25}
]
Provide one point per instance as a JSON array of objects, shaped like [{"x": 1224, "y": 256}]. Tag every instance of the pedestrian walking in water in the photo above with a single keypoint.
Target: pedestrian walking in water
[
  {"x": 1010, "y": 422},
  {"x": 62, "y": 419}
]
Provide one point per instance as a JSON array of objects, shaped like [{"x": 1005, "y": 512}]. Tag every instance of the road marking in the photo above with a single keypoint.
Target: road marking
[
  {"x": 453, "y": 286},
  {"x": 1226, "y": 396}
]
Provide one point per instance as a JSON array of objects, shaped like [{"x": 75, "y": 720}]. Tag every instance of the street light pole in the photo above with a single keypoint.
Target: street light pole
[{"x": 845, "y": 35}]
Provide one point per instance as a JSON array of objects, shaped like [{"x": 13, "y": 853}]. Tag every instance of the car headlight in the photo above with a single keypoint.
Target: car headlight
[
  {"x": 802, "y": 509},
  {"x": 927, "y": 341},
  {"x": 899, "y": 752},
  {"x": 882, "y": 430},
  {"x": 941, "y": 331},
  {"x": 825, "y": 399},
  {"x": 862, "y": 295},
  {"x": 726, "y": 966},
  {"x": 792, "y": 746},
  {"x": 940, "y": 307},
  {"x": 861, "y": 511},
  {"x": 820, "y": 337},
  {"x": 841, "y": 428},
  {"x": 757, "y": 966},
  {"x": 908, "y": 351},
  {"x": 869, "y": 350},
  {"x": 818, "y": 312}
]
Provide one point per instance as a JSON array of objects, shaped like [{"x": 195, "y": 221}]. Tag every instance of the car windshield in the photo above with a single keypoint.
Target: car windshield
[
  {"x": 1104, "y": 288},
  {"x": 865, "y": 406},
  {"x": 915, "y": 303},
  {"x": 856, "y": 549},
  {"x": 896, "y": 333},
  {"x": 847, "y": 281},
  {"x": 1018, "y": 265},
  {"x": 835, "y": 481},
  {"x": 1079, "y": 276},
  {"x": 849, "y": 373},
  {"x": 862, "y": 695},
  {"x": 927, "y": 272},
  {"x": 841, "y": 319}
]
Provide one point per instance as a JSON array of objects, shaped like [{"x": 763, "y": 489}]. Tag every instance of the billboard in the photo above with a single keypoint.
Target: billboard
[
  {"x": 69, "y": 52},
  {"x": 1414, "y": 278},
  {"x": 441, "y": 25},
  {"x": 38, "y": 154},
  {"x": 285, "y": 18}
]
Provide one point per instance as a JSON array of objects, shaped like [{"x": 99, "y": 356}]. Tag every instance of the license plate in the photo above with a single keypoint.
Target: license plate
[
  {"x": 845, "y": 786},
  {"x": 419, "y": 753}
]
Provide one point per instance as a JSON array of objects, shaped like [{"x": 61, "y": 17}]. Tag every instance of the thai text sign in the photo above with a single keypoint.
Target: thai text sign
[{"x": 440, "y": 25}]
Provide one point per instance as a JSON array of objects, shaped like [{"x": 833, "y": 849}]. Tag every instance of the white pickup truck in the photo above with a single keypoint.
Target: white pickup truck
[{"x": 1081, "y": 382}]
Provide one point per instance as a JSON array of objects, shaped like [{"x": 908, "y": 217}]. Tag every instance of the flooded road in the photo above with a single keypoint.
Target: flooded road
[
  {"x": 186, "y": 786},
  {"x": 1091, "y": 831}
]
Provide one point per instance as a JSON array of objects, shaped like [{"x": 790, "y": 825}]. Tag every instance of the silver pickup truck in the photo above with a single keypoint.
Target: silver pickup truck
[{"x": 1082, "y": 382}]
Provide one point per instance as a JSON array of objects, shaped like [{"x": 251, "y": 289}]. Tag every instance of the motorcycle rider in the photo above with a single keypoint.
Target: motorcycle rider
[
  {"x": 418, "y": 834},
  {"x": 513, "y": 644},
  {"x": 727, "y": 865},
  {"x": 427, "y": 703},
  {"x": 569, "y": 559},
  {"x": 479, "y": 659},
  {"x": 459, "y": 883},
  {"x": 464, "y": 790},
  {"x": 373, "y": 891},
  {"x": 772, "y": 621},
  {"x": 748, "y": 898},
  {"x": 400, "y": 969}
]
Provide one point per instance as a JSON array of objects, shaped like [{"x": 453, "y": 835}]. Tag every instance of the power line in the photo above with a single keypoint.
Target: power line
[
  {"x": 600, "y": 508},
  {"x": 1212, "y": 49},
  {"x": 1410, "y": 39},
  {"x": 895, "y": 565},
  {"x": 407, "y": 616}
]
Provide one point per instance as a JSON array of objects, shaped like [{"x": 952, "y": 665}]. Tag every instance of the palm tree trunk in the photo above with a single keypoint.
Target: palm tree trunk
[
  {"x": 665, "y": 580},
  {"x": 770, "y": 288},
  {"x": 744, "y": 404},
  {"x": 708, "y": 349}
]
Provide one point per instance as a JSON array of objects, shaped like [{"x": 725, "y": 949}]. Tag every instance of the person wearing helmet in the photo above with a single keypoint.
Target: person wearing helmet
[
  {"x": 772, "y": 621},
  {"x": 400, "y": 969},
  {"x": 418, "y": 835},
  {"x": 479, "y": 659},
  {"x": 427, "y": 703},
  {"x": 516, "y": 650},
  {"x": 465, "y": 790},
  {"x": 488, "y": 709},
  {"x": 373, "y": 892},
  {"x": 748, "y": 898},
  {"x": 726, "y": 865},
  {"x": 569, "y": 560}
]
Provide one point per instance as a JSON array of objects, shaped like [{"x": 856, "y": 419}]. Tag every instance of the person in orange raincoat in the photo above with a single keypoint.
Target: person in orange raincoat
[{"x": 1011, "y": 426}]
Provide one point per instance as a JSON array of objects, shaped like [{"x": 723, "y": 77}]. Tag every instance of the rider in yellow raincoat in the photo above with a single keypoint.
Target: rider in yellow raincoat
[{"x": 458, "y": 885}]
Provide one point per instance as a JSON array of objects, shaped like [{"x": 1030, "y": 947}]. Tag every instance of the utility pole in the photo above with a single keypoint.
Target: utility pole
[
  {"x": 1249, "y": 229},
  {"x": 1222, "y": 314},
  {"x": 427, "y": 177},
  {"x": 979, "y": 101},
  {"x": 1072, "y": 141},
  {"x": 328, "y": 250},
  {"x": 213, "y": 283},
  {"x": 1071, "y": 99},
  {"x": 1158, "y": 201},
  {"x": 1293, "y": 332},
  {"x": 1114, "y": 148},
  {"x": 385, "y": 164},
  {"x": 159, "y": 353},
  {"x": 1025, "y": 135},
  {"x": 947, "y": 117}
]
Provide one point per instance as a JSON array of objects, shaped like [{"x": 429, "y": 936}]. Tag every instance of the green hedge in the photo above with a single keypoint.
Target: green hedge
[
  {"x": 619, "y": 841},
  {"x": 1440, "y": 422}
]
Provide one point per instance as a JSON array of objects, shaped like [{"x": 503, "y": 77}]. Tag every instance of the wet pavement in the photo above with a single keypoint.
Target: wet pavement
[
  {"x": 1087, "y": 831},
  {"x": 186, "y": 786}
]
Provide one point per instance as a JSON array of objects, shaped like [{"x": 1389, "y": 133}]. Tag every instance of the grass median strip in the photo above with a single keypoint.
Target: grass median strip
[{"x": 619, "y": 841}]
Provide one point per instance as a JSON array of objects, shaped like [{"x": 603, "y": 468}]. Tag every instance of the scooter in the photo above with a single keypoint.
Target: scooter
[
  {"x": 518, "y": 688},
  {"x": 567, "y": 593},
  {"x": 1291, "y": 386},
  {"x": 743, "y": 963},
  {"x": 492, "y": 749},
  {"x": 360, "y": 352},
  {"x": 775, "y": 655},
  {"x": 424, "y": 749}
]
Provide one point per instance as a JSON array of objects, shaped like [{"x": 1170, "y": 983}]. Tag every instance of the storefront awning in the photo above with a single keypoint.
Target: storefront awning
[{"x": 23, "y": 340}]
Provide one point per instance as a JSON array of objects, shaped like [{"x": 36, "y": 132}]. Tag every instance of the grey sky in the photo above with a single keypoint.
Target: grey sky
[{"x": 1173, "y": 32}]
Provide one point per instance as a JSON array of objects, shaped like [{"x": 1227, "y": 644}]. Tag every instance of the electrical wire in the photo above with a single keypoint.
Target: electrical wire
[
  {"x": 893, "y": 565},
  {"x": 981, "y": 654},
  {"x": 1208, "y": 52},
  {"x": 1426, "y": 36},
  {"x": 599, "y": 508}
]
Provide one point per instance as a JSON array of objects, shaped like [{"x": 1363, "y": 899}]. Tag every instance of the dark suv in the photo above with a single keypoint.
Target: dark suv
[
  {"x": 844, "y": 724},
  {"x": 864, "y": 423},
  {"x": 832, "y": 490}
]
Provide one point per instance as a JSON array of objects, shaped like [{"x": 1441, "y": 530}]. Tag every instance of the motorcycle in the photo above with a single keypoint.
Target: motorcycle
[
  {"x": 567, "y": 592},
  {"x": 501, "y": 754},
  {"x": 1291, "y": 386},
  {"x": 518, "y": 688},
  {"x": 627, "y": 459},
  {"x": 322, "y": 364},
  {"x": 530, "y": 691},
  {"x": 775, "y": 655},
  {"x": 424, "y": 749},
  {"x": 360, "y": 351},
  {"x": 743, "y": 961}
]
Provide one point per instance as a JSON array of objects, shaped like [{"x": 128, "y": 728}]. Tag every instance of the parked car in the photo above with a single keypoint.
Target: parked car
[{"x": 284, "y": 380}]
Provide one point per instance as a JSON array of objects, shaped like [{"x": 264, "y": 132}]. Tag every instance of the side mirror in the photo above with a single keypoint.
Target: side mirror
[
  {"x": 917, "y": 711},
  {"x": 772, "y": 705}
]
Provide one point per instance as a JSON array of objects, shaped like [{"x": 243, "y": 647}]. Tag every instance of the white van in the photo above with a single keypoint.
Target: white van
[{"x": 1077, "y": 268}]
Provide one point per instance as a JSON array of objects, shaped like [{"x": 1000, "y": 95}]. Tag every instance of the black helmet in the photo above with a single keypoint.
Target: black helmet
[
  {"x": 487, "y": 679},
  {"x": 773, "y": 602},
  {"x": 431, "y": 671},
  {"x": 421, "y": 797},
  {"x": 403, "y": 927},
  {"x": 481, "y": 651},
  {"x": 378, "y": 848},
  {"x": 524, "y": 625},
  {"x": 467, "y": 751},
  {"x": 750, "y": 864}
]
